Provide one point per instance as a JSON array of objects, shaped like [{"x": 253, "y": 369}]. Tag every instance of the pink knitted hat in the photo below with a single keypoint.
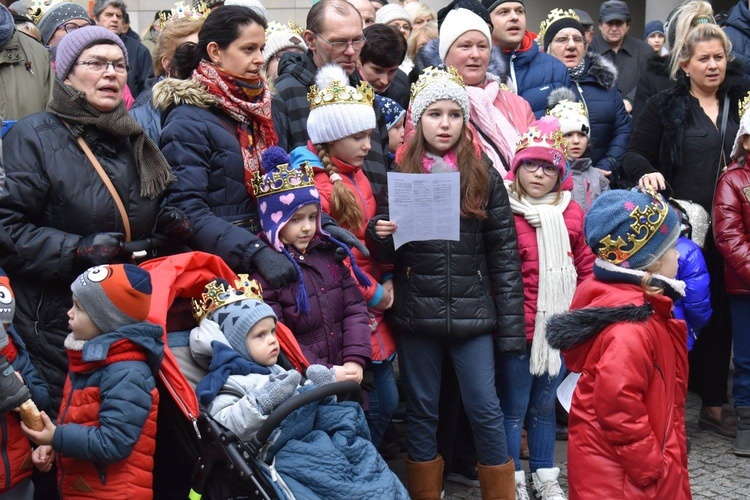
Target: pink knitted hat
[{"x": 542, "y": 142}]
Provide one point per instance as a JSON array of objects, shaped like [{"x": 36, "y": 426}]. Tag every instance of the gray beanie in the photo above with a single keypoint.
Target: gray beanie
[
  {"x": 7, "y": 27},
  {"x": 237, "y": 318},
  {"x": 59, "y": 14},
  {"x": 73, "y": 44}
]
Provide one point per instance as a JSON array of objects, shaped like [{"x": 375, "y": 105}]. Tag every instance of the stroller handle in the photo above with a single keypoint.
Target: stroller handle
[{"x": 296, "y": 402}]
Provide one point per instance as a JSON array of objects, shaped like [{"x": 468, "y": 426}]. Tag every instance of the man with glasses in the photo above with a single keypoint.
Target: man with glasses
[
  {"x": 629, "y": 55},
  {"x": 334, "y": 35},
  {"x": 61, "y": 19}
]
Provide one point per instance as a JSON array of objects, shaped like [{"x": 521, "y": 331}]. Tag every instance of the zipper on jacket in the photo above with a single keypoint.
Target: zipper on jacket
[
  {"x": 6, "y": 465},
  {"x": 408, "y": 273},
  {"x": 666, "y": 427},
  {"x": 448, "y": 288},
  {"x": 583, "y": 99},
  {"x": 38, "y": 312},
  {"x": 479, "y": 273},
  {"x": 101, "y": 471}
]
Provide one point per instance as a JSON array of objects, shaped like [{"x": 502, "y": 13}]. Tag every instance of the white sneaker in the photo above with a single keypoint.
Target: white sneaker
[
  {"x": 521, "y": 491},
  {"x": 545, "y": 485}
]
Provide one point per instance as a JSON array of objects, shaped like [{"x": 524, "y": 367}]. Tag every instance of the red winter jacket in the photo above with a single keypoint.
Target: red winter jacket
[
  {"x": 626, "y": 432},
  {"x": 583, "y": 258},
  {"x": 106, "y": 430},
  {"x": 731, "y": 226}
]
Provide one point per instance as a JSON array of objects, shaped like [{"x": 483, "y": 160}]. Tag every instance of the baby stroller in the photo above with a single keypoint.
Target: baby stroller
[{"x": 274, "y": 464}]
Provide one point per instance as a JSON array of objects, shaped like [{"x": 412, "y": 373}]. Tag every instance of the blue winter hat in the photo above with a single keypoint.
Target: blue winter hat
[
  {"x": 392, "y": 111},
  {"x": 653, "y": 27},
  {"x": 632, "y": 229}
]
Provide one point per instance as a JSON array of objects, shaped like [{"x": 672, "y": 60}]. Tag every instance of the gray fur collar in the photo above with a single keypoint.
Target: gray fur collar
[
  {"x": 429, "y": 55},
  {"x": 602, "y": 70}
]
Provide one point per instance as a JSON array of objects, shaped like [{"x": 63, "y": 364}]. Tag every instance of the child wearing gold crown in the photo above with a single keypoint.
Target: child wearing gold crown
[
  {"x": 554, "y": 259},
  {"x": 340, "y": 132},
  {"x": 324, "y": 307},
  {"x": 626, "y": 431},
  {"x": 459, "y": 299}
]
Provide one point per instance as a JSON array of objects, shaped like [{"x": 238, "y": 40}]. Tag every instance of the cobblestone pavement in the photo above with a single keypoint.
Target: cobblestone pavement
[{"x": 715, "y": 473}]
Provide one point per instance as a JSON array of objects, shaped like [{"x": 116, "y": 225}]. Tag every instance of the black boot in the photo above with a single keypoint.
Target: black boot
[
  {"x": 13, "y": 392},
  {"x": 741, "y": 445}
]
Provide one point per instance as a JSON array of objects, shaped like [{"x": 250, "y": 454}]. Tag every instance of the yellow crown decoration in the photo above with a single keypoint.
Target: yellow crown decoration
[
  {"x": 40, "y": 7},
  {"x": 554, "y": 15},
  {"x": 284, "y": 178},
  {"x": 646, "y": 223},
  {"x": 744, "y": 104},
  {"x": 275, "y": 27},
  {"x": 534, "y": 137},
  {"x": 182, "y": 10},
  {"x": 340, "y": 92},
  {"x": 216, "y": 295},
  {"x": 433, "y": 74}
]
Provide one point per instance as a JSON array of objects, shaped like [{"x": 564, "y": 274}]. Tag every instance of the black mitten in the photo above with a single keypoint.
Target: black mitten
[
  {"x": 346, "y": 237},
  {"x": 99, "y": 248},
  {"x": 274, "y": 267}
]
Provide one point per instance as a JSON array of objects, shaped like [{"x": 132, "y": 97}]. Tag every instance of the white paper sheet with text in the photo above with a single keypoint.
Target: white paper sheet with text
[
  {"x": 424, "y": 206},
  {"x": 566, "y": 388}
]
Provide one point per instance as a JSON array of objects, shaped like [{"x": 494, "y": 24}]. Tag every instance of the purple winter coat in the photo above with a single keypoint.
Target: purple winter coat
[{"x": 337, "y": 329}]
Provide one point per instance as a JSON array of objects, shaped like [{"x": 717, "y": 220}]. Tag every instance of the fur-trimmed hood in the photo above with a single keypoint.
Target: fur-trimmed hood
[
  {"x": 600, "y": 70},
  {"x": 172, "y": 92},
  {"x": 428, "y": 55}
]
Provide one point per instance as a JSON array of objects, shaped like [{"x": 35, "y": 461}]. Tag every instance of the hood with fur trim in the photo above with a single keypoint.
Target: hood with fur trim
[
  {"x": 172, "y": 92},
  {"x": 601, "y": 70},
  {"x": 428, "y": 55}
]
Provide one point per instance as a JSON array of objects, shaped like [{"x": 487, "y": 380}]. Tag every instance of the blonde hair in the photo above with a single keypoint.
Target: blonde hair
[
  {"x": 344, "y": 206},
  {"x": 693, "y": 23},
  {"x": 430, "y": 30},
  {"x": 171, "y": 37},
  {"x": 418, "y": 9}
]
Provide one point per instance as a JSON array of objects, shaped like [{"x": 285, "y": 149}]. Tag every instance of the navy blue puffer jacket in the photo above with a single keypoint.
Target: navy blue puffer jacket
[{"x": 738, "y": 31}]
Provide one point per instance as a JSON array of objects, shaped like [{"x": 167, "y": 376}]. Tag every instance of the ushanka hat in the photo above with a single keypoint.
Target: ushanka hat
[
  {"x": 542, "y": 142},
  {"x": 437, "y": 84},
  {"x": 337, "y": 109},
  {"x": 114, "y": 295},
  {"x": 284, "y": 189},
  {"x": 631, "y": 229}
]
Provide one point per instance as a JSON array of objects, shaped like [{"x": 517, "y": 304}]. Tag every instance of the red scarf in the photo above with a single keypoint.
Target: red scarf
[
  {"x": 121, "y": 350},
  {"x": 248, "y": 102}
]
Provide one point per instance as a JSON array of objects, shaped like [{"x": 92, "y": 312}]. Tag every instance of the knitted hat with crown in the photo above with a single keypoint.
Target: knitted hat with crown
[
  {"x": 571, "y": 114},
  {"x": 438, "y": 84},
  {"x": 280, "y": 37},
  {"x": 542, "y": 142},
  {"x": 337, "y": 109},
  {"x": 114, "y": 295},
  {"x": 7, "y": 300}
]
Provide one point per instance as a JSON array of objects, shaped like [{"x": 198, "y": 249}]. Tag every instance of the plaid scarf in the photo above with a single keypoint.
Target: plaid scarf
[
  {"x": 249, "y": 103},
  {"x": 71, "y": 106},
  {"x": 577, "y": 72}
]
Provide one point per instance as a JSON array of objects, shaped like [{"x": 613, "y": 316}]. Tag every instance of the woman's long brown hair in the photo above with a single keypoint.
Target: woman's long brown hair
[{"x": 474, "y": 174}]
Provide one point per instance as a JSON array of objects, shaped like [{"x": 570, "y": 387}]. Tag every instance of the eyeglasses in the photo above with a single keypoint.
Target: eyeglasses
[
  {"x": 532, "y": 167},
  {"x": 402, "y": 27},
  {"x": 563, "y": 40},
  {"x": 70, "y": 26},
  {"x": 356, "y": 44},
  {"x": 98, "y": 66}
]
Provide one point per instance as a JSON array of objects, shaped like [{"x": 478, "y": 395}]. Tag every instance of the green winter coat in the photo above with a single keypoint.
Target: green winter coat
[{"x": 24, "y": 89}]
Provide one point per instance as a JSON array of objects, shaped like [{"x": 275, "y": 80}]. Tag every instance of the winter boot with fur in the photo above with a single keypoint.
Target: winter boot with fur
[
  {"x": 425, "y": 479},
  {"x": 741, "y": 446},
  {"x": 498, "y": 482},
  {"x": 13, "y": 391}
]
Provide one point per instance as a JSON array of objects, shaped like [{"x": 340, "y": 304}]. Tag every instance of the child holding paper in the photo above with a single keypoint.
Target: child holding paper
[{"x": 462, "y": 299}]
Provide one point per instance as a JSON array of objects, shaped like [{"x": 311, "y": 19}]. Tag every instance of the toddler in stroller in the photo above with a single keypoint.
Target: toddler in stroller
[{"x": 309, "y": 447}]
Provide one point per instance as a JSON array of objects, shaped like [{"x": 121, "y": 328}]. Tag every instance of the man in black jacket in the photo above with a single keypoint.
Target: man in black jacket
[{"x": 334, "y": 35}]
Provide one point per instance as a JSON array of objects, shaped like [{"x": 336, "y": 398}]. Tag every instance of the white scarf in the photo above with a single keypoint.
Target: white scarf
[
  {"x": 493, "y": 123},
  {"x": 557, "y": 271}
]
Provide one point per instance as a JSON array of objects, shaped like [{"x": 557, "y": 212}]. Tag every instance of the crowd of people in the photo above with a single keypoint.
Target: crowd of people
[{"x": 603, "y": 240}]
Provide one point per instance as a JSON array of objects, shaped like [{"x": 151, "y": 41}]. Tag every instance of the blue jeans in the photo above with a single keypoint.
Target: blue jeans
[
  {"x": 740, "y": 307},
  {"x": 383, "y": 400},
  {"x": 521, "y": 393},
  {"x": 420, "y": 361}
]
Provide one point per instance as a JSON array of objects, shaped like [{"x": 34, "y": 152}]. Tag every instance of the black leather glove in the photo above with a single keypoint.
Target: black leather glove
[
  {"x": 346, "y": 237},
  {"x": 274, "y": 267},
  {"x": 99, "y": 248},
  {"x": 173, "y": 223}
]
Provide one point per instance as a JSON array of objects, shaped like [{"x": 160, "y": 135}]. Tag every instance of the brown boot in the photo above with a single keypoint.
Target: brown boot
[
  {"x": 425, "y": 479},
  {"x": 498, "y": 482}
]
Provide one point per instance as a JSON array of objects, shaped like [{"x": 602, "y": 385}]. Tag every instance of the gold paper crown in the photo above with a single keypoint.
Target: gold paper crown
[
  {"x": 275, "y": 27},
  {"x": 182, "y": 10},
  {"x": 339, "y": 92},
  {"x": 554, "y": 15},
  {"x": 534, "y": 137},
  {"x": 433, "y": 74},
  {"x": 216, "y": 295},
  {"x": 40, "y": 7},
  {"x": 744, "y": 104},
  {"x": 646, "y": 223},
  {"x": 567, "y": 106},
  {"x": 285, "y": 178}
]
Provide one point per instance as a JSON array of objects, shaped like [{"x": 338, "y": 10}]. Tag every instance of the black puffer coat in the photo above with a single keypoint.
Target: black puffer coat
[
  {"x": 462, "y": 289},
  {"x": 52, "y": 198}
]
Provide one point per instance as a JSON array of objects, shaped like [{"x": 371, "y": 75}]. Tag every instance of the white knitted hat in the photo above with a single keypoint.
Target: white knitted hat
[
  {"x": 455, "y": 24},
  {"x": 392, "y": 12},
  {"x": 436, "y": 84},
  {"x": 738, "y": 150},
  {"x": 250, "y": 4},
  {"x": 569, "y": 112},
  {"x": 279, "y": 37},
  {"x": 337, "y": 109}
]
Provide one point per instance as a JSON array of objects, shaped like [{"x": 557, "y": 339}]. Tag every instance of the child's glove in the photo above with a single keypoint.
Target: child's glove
[
  {"x": 320, "y": 375},
  {"x": 278, "y": 389},
  {"x": 274, "y": 267}
]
